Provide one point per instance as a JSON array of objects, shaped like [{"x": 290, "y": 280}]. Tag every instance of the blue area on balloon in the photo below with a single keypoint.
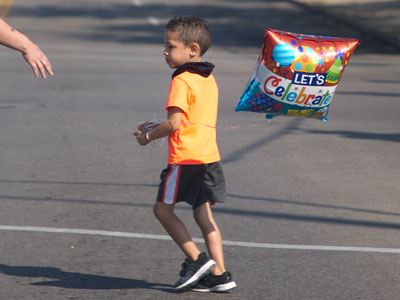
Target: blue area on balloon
[{"x": 283, "y": 54}]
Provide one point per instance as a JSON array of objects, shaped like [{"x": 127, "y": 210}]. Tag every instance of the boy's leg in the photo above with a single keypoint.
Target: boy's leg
[
  {"x": 176, "y": 229},
  {"x": 212, "y": 236},
  {"x": 219, "y": 280},
  {"x": 197, "y": 264}
]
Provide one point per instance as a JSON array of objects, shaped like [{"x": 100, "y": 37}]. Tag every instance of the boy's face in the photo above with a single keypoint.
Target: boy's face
[{"x": 176, "y": 52}]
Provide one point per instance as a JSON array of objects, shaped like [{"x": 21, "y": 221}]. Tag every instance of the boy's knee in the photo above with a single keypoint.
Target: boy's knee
[
  {"x": 201, "y": 217},
  {"x": 197, "y": 217},
  {"x": 204, "y": 219},
  {"x": 161, "y": 210},
  {"x": 156, "y": 211}
]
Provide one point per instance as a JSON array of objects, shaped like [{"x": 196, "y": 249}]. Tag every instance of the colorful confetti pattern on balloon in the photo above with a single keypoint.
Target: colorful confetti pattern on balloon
[
  {"x": 306, "y": 60},
  {"x": 297, "y": 74}
]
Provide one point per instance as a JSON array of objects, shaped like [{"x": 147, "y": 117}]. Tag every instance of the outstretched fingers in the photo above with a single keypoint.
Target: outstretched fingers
[{"x": 38, "y": 61}]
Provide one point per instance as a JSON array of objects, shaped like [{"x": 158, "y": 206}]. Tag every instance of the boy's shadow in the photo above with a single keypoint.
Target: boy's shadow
[{"x": 71, "y": 280}]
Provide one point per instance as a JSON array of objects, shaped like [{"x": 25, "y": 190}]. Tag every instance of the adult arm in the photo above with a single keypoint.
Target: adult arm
[{"x": 32, "y": 54}]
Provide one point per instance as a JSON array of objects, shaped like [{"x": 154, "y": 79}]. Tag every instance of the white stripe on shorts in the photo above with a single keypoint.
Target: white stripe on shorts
[{"x": 171, "y": 184}]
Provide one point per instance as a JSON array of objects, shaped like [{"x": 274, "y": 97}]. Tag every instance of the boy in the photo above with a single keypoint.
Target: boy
[{"x": 194, "y": 173}]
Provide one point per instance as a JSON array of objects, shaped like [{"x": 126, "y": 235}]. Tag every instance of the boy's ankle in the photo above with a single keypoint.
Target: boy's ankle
[
  {"x": 217, "y": 273},
  {"x": 194, "y": 257},
  {"x": 218, "y": 270}
]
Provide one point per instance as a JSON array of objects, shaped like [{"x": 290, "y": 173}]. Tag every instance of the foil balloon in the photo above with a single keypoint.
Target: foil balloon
[{"x": 296, "y": 74}]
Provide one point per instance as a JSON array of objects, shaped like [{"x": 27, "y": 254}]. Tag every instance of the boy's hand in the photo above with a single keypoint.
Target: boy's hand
[
  {"x": 155, "y": 129},
  {"x": 141, "y": 137}
]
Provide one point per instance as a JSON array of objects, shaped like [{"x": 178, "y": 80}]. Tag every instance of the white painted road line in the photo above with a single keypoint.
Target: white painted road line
[
  {"x": 153, "y": 21},
  {"x": 197, "y": 240}
]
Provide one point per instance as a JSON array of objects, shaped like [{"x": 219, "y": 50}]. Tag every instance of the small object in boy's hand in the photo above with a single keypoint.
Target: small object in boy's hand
[{"x": 149, "y": 125}]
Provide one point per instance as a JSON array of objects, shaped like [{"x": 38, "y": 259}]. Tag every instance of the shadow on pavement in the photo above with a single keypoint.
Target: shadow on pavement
[
  {"x": 238, "y": 26},
  {"x": 387, "y": 137},
  {"x": 377, "y": 94},
  {"x": 246, "y": 212},
  {"x": 309, "y": 218},
  {"x": 309, "y": 204},
  {"x": 378, "y": 19},
  {"x": 237, "y": 154},
  {"x": 73, "y": 280},
  {"x": 79, "y": 183}
]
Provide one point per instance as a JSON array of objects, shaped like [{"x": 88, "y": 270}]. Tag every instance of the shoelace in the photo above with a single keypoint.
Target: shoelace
[{"x": 186, "y": 266}]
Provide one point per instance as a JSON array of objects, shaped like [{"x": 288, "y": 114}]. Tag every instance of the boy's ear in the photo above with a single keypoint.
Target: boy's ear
[{"x": 194, "y": 49}]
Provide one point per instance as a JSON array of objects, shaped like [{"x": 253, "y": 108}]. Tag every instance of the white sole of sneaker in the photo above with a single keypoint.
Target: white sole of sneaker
[
  {"x": 219, "y": 288},
  {"x": 203, "y": 271}
]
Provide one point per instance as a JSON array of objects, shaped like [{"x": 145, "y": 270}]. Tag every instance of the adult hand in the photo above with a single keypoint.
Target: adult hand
[{"x": 37, "y": 60}]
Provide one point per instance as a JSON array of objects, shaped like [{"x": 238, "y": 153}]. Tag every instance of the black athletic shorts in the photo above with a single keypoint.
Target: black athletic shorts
[{"x": 194, "y": 184}]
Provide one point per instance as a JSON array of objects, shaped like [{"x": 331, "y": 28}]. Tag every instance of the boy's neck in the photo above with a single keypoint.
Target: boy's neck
[
  {"x": 195, "y": 59},
  {"x": 186, "y": 63},
  {"x": 202, "y": 68}
]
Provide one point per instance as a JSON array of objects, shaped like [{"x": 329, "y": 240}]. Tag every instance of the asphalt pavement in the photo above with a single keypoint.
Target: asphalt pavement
[
  {"x": 312, "y": 208},
  {"x": 374, "y": 18}
]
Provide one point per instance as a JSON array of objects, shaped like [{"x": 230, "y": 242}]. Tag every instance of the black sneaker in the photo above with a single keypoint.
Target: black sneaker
[
  {"x": 215, "y": 283},
  {"x": 192, "y": 272}
]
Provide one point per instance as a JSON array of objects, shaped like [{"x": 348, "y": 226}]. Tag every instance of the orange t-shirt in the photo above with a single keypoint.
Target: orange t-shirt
[{"x": 195, "y": 141}]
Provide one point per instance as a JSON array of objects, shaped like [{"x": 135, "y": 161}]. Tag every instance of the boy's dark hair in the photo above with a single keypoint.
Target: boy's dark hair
[{"x": 191, "y": 30}]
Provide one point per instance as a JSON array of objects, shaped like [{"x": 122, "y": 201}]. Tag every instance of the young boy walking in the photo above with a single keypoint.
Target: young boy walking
[{"x": 194, "y": 173}]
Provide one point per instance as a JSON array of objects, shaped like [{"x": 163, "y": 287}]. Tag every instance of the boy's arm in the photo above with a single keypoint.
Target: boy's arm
[
  {"x": 31, "y": 52},
  {"x": 164, "y": 129}
]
